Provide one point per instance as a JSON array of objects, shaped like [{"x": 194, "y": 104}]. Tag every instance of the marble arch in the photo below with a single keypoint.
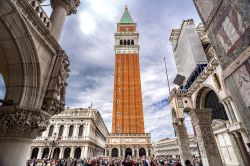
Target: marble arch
[{"x": 34, "y": 68}]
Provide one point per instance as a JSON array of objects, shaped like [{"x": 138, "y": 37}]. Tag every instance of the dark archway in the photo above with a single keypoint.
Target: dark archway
[
  {"x": 56, "y": 153},
  {"x": 128, "y": 152},
  {"x": 61, "y": 131},
  {"x": 77, "y": 154},
  {"x": 45, "y": 153},
  {"x": 212, "y": 101},
  {"x": 66, "y": 153},
  {"x": 34, "y": 153},
  {"x": 142, "y": 152},
  {"x": 121, "y": 42},
  {"x": 114, "y": 152}
]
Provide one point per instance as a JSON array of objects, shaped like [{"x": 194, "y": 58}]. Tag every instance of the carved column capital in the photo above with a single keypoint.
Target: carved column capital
[
  {"x": 69, "y": 5},
  {"x": 52, "y": 106},
  {"x": 22, "y": 122}
]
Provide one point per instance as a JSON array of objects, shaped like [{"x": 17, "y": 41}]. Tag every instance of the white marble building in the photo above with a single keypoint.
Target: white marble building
[
  {"x": 168, "y": 147},
  {"x": 82, "y": 133}
]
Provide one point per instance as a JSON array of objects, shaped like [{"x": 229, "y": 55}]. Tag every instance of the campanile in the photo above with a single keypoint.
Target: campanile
[
  {"x": 128, "y": 137},
  {"x": 127, "y": 98}
]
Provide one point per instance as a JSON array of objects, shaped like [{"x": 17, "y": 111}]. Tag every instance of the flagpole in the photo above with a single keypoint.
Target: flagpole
[{"x": 166, "y": 69}]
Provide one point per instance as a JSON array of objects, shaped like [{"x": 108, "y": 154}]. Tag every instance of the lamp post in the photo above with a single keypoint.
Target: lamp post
[{"x": 52, "y": 143}]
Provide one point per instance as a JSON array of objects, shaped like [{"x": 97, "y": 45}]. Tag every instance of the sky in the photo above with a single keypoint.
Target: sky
[{"x": 88, "y": 39}]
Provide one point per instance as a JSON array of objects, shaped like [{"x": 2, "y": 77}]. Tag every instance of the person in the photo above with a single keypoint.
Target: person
[
  {"x": 188, "y": 163},
  {"x": 128, "y": 162}
]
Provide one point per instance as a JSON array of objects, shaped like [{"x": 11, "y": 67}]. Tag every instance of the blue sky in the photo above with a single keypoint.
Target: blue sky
[{"x": 88, "y": 38}]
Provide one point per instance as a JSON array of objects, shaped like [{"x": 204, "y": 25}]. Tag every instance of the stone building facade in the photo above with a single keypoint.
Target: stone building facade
[
  {"x": 34, "y": 67},
  {"x": 204, "y": 95},
  {"x": 81, "y": 133},
  {"x": 168, "y": 148},
  {"x": 128, "y": 135}
]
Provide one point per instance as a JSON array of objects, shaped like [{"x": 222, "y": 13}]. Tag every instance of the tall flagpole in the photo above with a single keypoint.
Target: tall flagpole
[{"x": 167, "y": 74}]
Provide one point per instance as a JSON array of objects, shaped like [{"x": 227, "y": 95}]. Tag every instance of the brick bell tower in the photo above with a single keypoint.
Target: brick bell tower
[
  {"x": 127, "y": 99},
  {"x": 128, "y": 137}
]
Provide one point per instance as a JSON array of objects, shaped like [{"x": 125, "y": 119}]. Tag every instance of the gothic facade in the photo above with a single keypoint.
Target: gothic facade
[
  {"x": 34, "y": 68},
  {"x": 81, "y": 133}
]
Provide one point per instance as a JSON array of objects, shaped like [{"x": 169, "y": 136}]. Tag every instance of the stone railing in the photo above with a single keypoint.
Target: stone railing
[
  {"x": 40, "y": 13},
  {"x": 130, "y": 135},
  {"x": 27, "y": 6}
]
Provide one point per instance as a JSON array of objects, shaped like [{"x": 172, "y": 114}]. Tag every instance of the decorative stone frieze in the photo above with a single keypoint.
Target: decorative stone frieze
[{"x": 22, "y": 122}]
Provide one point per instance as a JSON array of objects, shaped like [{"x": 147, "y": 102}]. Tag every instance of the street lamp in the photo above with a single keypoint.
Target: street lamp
[{"x": 52, "y": 143}]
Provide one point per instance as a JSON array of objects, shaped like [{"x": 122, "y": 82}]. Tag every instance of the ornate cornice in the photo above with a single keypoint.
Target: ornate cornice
[{"x": 69, "y": 5}]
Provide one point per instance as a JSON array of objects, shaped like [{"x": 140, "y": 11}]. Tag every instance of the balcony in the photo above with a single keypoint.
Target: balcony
[{"x": 34, "y": 12}]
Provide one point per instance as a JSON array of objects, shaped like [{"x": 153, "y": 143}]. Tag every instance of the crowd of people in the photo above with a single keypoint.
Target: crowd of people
[{"x": 113, "y": 162}]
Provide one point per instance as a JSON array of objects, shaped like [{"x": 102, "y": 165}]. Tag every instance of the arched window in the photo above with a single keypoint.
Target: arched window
[
  {"x": 51, "y": 129},
  {"x": 61, "y": 131},
  {"x": 80, "y": 131},
  {"x": 125, "y": 42},
  {"x": 121, "y": 42},
  {"x": 132, "y": 42},
  {"x": 128, "y": 42},
  {"x": 217, "y": 81},
  {"x": 71, "y": 128}
]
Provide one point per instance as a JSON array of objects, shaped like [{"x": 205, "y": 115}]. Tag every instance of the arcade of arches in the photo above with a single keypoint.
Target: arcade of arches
[
  {"x": 57, "y": 153},
  {"x": 209, "y": 116},
  {"x": 133, "y": 152}
]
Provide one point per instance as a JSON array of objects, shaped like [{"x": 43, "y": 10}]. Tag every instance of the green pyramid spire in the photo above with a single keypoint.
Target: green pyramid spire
[{"x": 126, "y": 17}]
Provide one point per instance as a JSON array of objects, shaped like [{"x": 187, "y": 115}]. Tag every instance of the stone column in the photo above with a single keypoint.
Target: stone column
[
  {"x": 40, "y": 153},
  {"x": 202, "y": 121},
  {"x": 231, "y": 110},
  {"x": 66, "y": 131},
  {"x": 146, "y": 152},
  {"x": 76, "y": 130},
  {"x": 86, "y": 151},
  {"x": 61, "y": 8},
  {"x": 182, "y": 141},
  {"x": 72, "y": 152},
  {"x": 18, "y": 127},
  {"x": 228, "y": 112},
  {"x": 82, "y": 152},
  {"x": 137, "y": 152},
  {"x": 61, "y": 152},
  {"x": 242, "y": 148},
  {"x": 88, "y": 130}
]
